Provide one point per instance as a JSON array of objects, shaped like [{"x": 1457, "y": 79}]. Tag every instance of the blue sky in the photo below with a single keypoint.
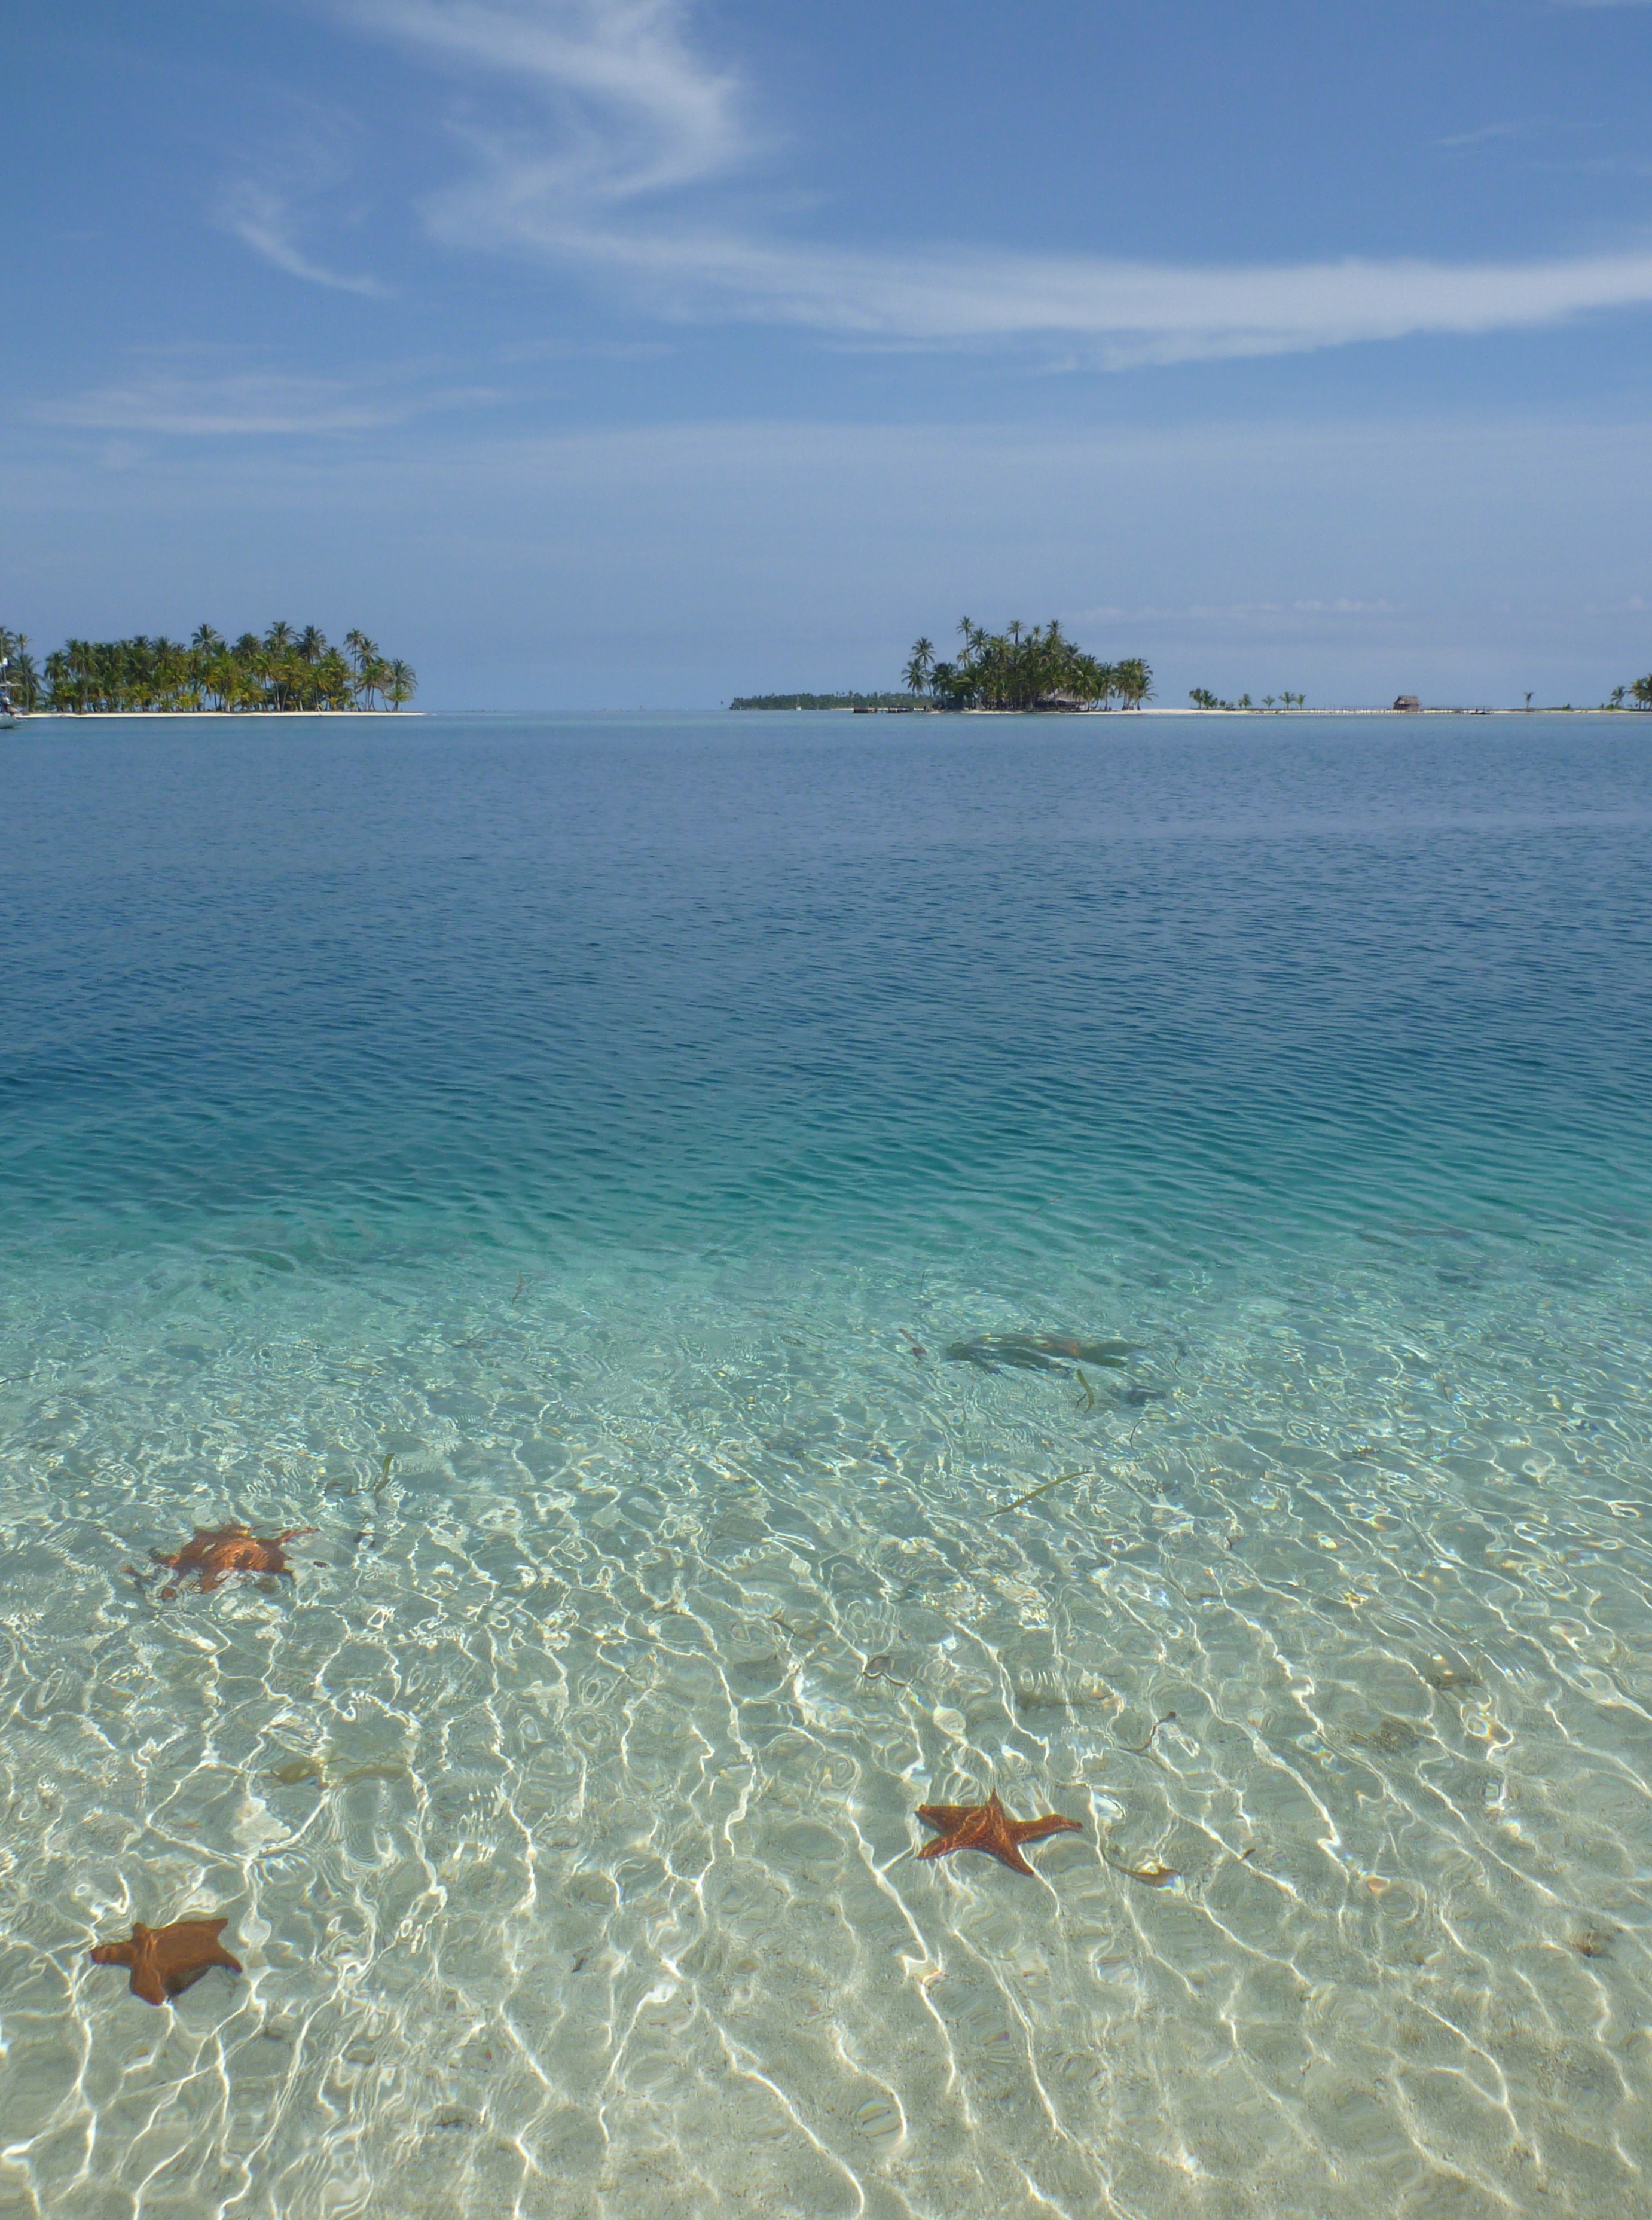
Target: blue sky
[{"x": 620, "y": 354}]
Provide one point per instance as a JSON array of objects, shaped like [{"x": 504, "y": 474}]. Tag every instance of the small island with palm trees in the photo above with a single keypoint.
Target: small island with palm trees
[
  {"x": 1021, "y": 668},
  {"x": 1024, "y": 667},
  {"x": 283, "y": 671}
]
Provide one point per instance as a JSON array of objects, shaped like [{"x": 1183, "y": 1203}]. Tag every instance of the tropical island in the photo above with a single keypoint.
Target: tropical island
[
  {"x": 1024, "y": 667},
  {"x": 1038, "y": 668},
  {"x": 283, "y": 671}
]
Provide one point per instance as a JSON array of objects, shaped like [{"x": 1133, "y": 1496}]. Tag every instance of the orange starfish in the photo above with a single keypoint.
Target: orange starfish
[
  {"x": 216, "y": 1553},
  {"x": 165, "y": 1959},
  {"x": 988, "y": 1827}
]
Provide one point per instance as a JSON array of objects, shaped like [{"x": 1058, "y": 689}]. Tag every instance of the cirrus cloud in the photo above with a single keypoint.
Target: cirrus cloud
[{"x": 610, "y": 130}]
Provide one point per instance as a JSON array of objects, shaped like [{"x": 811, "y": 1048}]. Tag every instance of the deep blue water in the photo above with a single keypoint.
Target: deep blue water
[
  {"x": 778, "y": 979},
  {"x": 551, "y": 1162}
]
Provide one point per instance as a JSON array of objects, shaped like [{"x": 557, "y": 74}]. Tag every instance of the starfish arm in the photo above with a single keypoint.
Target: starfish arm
[
  {"x": 1034, "y": 1831},
  {"x": 148, "y": 1981},
  {"x": 938, "y": 1848},
  {"x": 947, "y": 1817},
  {"x": 219, "y": 1955},
  {"x": 1006, "y": 1854},
  {"x": 110, "y": 1954}
]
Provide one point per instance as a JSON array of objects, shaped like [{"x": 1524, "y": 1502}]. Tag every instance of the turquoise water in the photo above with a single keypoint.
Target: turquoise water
[{"x": 552, "y": 1160}]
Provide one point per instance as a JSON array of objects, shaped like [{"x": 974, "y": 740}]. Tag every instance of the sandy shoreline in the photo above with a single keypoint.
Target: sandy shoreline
[
  {"x": 211, "y": 716},
  {"x": 206, "y": 716},
  {"x": 1170, "y": 710}
]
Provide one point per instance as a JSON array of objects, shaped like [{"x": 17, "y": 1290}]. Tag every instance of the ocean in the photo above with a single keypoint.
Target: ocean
[{"x": 578, "y": 1167}]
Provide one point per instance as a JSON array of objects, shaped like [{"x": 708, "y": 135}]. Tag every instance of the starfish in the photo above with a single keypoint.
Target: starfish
[
  {"x": 165, "y": 1959},
  {"x": 216, "y": 1555},
  {"x": 988, "y": 1827}
]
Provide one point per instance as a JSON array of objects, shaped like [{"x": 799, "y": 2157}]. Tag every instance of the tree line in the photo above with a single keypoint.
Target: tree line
[
  {"x": 1024, "y": 667},
  {"x": 820, "y": 702},
  {"x": 1639, "y": 696},
  {"x": 1202, "y": 698},
  {"x": 284, "y": 670}
]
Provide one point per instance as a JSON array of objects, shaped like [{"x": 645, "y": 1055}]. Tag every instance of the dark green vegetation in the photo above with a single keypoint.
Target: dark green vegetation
[
  {"x": 1202, "y": 698},
  {"x": 820, "y": 702},
  {"x": 1640, "y": 694},
  {"x": 1023, "y": 668},
  {"x": 284, "y": 670},
  {"x": 20, "y": 681}
]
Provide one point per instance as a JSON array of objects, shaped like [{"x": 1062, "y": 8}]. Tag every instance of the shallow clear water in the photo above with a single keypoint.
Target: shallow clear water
[{"x": 552, "y": 1160}]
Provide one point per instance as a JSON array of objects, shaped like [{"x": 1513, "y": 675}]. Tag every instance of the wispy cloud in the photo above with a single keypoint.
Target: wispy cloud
[
  {"x": 262, "y": 217},
  {"x": 236, "y": 404},
  {"x": 1203, "y": 612},
  {"x": 634, "y": 109},
  {"x": 612, "y": 124},
  {"x": 1479, "y": 138},
  {"x": 1129, "y": 313},
  {"x": 288, "y": 193}
]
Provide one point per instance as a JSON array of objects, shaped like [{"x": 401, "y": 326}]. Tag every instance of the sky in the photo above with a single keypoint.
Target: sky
[{"x": 637, "y": 354}]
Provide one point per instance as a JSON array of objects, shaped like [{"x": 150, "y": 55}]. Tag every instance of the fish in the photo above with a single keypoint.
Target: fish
[
  {"x": 1151, "y": 1874},
  {"x": 1038, "y": 1352},
  {"x": 1043, "y": 1488}
]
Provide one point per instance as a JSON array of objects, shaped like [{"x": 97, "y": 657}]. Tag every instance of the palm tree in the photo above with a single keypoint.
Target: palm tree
[
  {"x": 332, "y": 681},
  {"x": 19, "y": 679},
  {"x": 1024, "y": 667},
  {"x": 281, "y": 670},
  {"x": 1136, "y": 681},
  {"x": 1641, "y": 691},
  {"x": 402, "y": 684},
  {"x": 369, "y": 662}
]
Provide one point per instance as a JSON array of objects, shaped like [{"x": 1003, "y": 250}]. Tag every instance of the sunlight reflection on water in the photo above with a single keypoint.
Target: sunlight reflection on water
[{"x": 562, "y": 1805}]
